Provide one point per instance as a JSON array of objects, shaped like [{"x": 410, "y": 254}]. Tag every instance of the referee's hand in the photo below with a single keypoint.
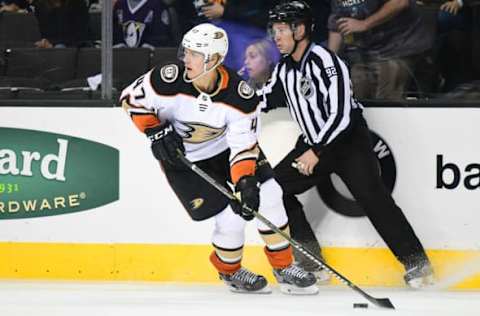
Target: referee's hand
[{"x": 306, "y": 162}]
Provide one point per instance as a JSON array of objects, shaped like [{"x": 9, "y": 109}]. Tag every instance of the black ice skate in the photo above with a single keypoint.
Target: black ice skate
[
  {"x": 295, "y": 280},
  {"x": 244, "y": 281},
  {"x": 419, "y": 276}
]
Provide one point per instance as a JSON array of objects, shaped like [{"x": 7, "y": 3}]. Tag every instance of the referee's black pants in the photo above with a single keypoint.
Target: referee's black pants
[{"x": 352, "y": 158}]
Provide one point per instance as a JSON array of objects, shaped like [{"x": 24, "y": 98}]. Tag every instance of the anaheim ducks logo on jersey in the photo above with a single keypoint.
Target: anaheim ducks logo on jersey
[
  {"x": 196, "y": 203},
  {"x": 196, "y": 133},
  {"x": 133, "y": 32}
]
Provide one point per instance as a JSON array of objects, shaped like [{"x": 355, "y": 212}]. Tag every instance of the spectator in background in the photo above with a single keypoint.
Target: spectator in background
[
  {"x": 96, "y": 5},
  {"x": 383, "y": 40},
  {"x": 453, "y": 46},
  {"x": 141, "y": 23},
  {"x": 249, "y": 12},
  {"x": 19, "y": 6},
  {"x": 451, "y": 16},
  {"x": 63, "y": 23},
  {"x": 260, "y": 58},
  {"x": 243, "y": 20},
  {"x": 320, "y": 12}
]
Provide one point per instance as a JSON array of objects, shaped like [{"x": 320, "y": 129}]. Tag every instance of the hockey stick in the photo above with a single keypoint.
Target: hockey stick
[{"x": 381, "y": 302}]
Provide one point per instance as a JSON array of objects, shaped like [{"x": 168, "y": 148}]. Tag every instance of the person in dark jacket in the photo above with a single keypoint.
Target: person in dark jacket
[
  {"x": 141, "y": 24},
  {"x": 63, "y": 23}
]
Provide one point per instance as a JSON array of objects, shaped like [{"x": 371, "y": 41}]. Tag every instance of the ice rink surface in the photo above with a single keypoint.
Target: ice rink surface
[{"x": 159, "y": 299}]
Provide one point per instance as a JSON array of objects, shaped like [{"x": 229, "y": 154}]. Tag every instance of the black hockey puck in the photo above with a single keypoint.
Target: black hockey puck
[{"x": 360, "y": 305}]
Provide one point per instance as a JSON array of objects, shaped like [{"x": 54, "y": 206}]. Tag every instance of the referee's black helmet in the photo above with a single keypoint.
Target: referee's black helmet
[{"x": 293, "y": 13}]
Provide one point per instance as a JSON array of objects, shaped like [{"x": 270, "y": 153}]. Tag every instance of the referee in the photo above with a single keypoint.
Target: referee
[{"x": 315, "y": 84}]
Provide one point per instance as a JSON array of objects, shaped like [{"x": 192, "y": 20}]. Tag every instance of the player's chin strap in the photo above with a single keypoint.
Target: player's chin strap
[
  {"x": 205, "y": 71},
  {"x": 380, "y": 302}
]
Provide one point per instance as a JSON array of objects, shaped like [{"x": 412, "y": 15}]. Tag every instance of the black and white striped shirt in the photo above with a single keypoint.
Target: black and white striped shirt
[{"x": 317, "y": 91}]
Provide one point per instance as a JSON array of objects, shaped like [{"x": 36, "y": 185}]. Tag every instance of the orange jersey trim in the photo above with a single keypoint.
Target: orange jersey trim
[
  {"x": 242, "y": 168},
  {"x": 225, "y": 78},
  {"x": 144, "y": 121}
]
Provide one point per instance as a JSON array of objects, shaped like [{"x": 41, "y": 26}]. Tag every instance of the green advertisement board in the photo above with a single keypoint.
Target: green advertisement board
[{"x": 47, "y": 174}]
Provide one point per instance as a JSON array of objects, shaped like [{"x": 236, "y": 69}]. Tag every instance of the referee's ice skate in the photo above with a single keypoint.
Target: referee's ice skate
[
  {"x": 323, "y": 277},
  {"x": 419, "y": 276}
]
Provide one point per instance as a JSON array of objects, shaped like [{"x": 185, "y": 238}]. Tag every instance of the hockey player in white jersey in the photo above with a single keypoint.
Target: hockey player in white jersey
[{"x": 206, "y": 111}]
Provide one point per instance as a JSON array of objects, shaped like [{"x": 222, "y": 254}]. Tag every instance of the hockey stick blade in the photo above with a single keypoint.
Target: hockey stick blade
[
  {"x": 380, "y": 302},
  {"x": 383, "y": 302}
]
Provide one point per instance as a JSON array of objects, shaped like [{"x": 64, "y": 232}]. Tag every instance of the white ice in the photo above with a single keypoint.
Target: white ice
[{"x": 159, "y": 299}]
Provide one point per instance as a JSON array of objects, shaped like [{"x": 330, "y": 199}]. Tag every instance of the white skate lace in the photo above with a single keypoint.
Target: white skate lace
[
  {"x": 245, "y": 276},
  {"x": 295, "y": 271}
]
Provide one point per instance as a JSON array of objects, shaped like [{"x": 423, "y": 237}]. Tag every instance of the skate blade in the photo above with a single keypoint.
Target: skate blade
[
  {"x": 323, "y": 277},
  {"x": 422, "y": 282},
  {"x": 295, "y": 290},
  {"x": 265, "y": 290}
]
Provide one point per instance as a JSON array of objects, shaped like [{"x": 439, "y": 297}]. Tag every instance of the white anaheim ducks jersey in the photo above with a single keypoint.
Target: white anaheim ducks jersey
[{"x": 208, "y": 123}]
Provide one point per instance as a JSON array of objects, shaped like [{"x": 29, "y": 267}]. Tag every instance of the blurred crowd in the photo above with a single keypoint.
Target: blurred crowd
[{"x": 395, "y": 49}]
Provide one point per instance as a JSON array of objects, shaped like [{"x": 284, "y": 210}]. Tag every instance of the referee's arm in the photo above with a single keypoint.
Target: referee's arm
[{"x": 338, "y": 101}]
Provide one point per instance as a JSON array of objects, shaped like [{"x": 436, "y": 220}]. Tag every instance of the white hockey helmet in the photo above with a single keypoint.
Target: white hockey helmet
[{"x": 207, "y": 39}]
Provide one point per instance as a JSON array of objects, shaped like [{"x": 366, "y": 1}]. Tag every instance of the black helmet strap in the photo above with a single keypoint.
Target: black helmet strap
[{"x": 293, "y": 26}]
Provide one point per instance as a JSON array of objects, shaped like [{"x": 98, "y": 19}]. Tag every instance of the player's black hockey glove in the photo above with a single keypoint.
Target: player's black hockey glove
[
  {"x": 248, "y": 192},
  {"x": 165, "y": 142}
]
